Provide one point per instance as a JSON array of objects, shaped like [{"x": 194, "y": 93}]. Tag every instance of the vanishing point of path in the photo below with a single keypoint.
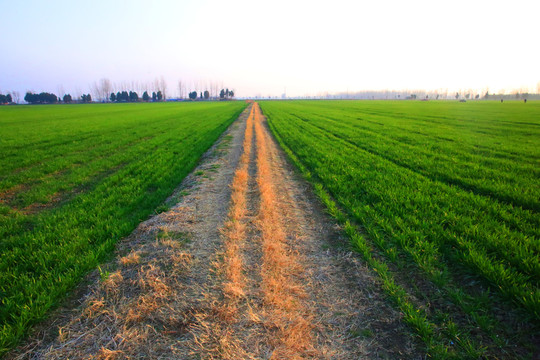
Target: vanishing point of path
[{"x": 245, "y": 265}]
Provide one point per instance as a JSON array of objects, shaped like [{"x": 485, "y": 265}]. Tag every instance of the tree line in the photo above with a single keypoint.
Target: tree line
[
  {"x": 132, "y": 96},
  {"x": 120, "y": 96},
  {"x": 49, "y": 98},
  {"x": 224, "y": 94},
  {"x": 5, "y": 99},
  {"x": 41, "y": 98}
]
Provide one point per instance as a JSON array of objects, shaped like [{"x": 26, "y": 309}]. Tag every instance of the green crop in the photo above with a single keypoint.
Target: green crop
[
  {"x": 76, "y": 178},
  {"x": 442, "y": 200}
]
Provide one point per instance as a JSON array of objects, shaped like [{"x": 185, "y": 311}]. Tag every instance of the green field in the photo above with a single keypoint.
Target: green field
[
  {"x": 76, "y": 178},
  {"x": 442, "y": 200}
]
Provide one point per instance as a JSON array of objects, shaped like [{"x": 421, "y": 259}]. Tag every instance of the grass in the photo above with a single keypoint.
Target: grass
[
  {"x": 75, "y": 179},
  {"x": 441, "y": 199}
]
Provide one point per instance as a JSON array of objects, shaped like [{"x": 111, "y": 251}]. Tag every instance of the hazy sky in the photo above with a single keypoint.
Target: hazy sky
[{"x": 261, "y": 47}]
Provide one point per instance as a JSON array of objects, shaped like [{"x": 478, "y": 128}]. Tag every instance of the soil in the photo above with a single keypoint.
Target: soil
[{"x": 238, "y": 268}]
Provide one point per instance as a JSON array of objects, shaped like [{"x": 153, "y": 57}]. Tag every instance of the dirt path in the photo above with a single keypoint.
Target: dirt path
[{"x": 246, "y": 265}]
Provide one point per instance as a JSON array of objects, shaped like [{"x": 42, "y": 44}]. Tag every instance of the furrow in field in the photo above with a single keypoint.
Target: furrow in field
[
  {"x": 74, "y": 172},
  {"x": 86, "y": 179},
  {"x": 482, "y": 124},
  {"x": 454, "y": 126},
  {"x": 476, "y": 186},
  {"x": 423, "y": 143},
  {"x": 77, "y": 149},
  {"x": 85, "y": 146}
]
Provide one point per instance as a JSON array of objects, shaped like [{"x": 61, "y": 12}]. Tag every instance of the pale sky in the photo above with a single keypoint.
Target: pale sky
[{"x": 261, "y": 47}]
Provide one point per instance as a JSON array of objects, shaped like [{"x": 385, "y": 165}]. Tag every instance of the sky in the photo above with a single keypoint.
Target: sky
[{"x": 264, "y": 48}]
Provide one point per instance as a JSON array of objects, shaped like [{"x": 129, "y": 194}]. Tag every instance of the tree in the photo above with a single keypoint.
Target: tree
[
  {"x": 180, "y": 89},
  {"x": 42, "y": 98},
  {"x": 206, "y": 95},
  {"x": 457, "y": 95},
  {"x": 477, "y": 96},
  {"x": 154, "y": 96},
  {"x": 133, "y": 97},
  {"x": 222, "y": 94},
  {"x": 101, "y": 89},
  {"x": 231, "y": 93},
  {"x": 145, "y": 96},
  {"x": 29, "y": 97},
  {"x": 159, "y": 96},
  {"x": 105, "y": 87},
  {"x": 16, "y": 96},
  {"x": 112, "y": 97},
  {"x": 162, "y": 88},
  {"x": 193, "y": 95},
  {"x": 3, "y": 99},
  {"x": 86, "y": 98},
  {"x": 67, "y": 98},
  {"x": 9, "y": 100}
]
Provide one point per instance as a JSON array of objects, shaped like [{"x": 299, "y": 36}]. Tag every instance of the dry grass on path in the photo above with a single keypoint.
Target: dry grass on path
[
  {"x": 283, "y": 295},
  {"x": 234, "y": 229}
]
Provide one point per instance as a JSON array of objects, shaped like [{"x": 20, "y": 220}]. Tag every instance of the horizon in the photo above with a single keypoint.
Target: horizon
[{"x": 299, "y": 49}]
